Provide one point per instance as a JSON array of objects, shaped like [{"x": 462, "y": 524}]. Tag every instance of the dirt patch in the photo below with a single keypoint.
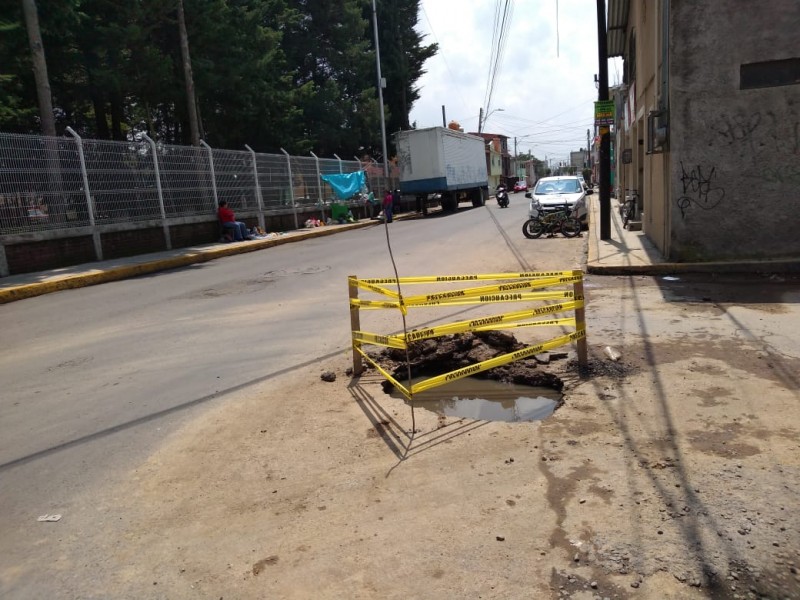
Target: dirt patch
[{"x": 427, "y": 358}]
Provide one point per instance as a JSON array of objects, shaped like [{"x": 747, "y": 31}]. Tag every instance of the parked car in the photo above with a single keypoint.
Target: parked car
[
  {"x": 521, "y": 186},
  {"x": 553, "y": 193}
]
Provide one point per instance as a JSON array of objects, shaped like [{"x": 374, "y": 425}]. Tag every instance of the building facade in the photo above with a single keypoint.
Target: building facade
[
  {"x": 500, "y": 143},
  {"x": 708, "y": 125}
]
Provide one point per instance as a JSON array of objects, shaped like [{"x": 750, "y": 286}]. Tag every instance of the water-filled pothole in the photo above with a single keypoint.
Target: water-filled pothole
[{"x": 487, "y": 400}]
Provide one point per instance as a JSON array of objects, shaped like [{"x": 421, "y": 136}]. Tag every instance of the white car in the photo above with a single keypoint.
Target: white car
[{"x": 554, "y": 193}]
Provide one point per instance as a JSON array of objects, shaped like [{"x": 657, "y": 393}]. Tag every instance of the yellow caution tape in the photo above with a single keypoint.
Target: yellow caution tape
[
  {"x": 506, "y": 297},
  {"x": 373, "y": 303},
  {"x": 490, "y": 322},
  {"x": 390, "y": 341},
  {"x": 489, "y": 290},
  {"x": 518, "y": 288},
  {"x": 497, "y": 361},
  {"x": 375, "y": 288},
  {"x": 481, "y": 277},
  {"x": 401, "y": 388},
  {"x": 568, "y": 322}
]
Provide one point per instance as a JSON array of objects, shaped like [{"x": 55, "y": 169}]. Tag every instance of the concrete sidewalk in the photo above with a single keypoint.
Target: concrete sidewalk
[
  {"x": 27, "y": 285},
  {"x": 626, "y": 253},
  {"x": 632, "y": 253}
]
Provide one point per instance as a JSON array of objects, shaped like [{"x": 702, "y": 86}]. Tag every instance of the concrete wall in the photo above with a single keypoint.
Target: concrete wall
[
  {"x": 31, "y": 252},
  {"x": 734, "y": 162}
]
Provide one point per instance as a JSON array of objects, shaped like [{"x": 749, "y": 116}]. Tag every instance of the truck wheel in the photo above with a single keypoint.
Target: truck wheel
[{"x": 477, "y": 198}]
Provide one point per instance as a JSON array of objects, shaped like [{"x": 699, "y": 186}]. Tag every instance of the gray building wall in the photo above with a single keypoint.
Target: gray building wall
[{"x": 734, "y": 153}]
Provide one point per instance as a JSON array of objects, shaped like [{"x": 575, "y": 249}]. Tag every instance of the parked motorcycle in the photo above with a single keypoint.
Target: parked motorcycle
[
  {"x": 561, "y": 221},
  {"x": 502, "y": 196}
]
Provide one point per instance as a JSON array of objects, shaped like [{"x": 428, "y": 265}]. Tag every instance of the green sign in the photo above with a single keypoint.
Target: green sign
[{"x": 604, "y": 112}]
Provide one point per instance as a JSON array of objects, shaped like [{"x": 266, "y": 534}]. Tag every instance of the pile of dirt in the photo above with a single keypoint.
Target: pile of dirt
[{"x": 447, "y": 353}]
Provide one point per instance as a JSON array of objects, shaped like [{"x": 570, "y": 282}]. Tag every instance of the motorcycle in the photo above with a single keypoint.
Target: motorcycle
[
  {"x": 502, "y": 196},
  {"x": 562, "y": 221}
]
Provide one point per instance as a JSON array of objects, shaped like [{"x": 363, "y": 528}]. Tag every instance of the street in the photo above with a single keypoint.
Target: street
[{"x": 178, "y": 425}]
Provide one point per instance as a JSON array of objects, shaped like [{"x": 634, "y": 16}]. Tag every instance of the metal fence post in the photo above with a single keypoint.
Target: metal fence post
[
  {"x": 580, "y": 323},
  {"x": 4, "y": 270},
  {"x": 98, "y": 246},
  {"x": 291, "y": 187},
  {"x": 355, "y": 324},
  {"x": 340, "y": 162},
  {"x": 167, "y": 237},
  {"x": 319, "y": 188},
  {"x": 213, "y": 175},
  {"x": 258, "y": 190}
]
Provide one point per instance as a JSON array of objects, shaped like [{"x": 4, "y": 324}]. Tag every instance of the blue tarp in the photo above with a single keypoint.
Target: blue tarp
[{"x": 346, "y": 185}]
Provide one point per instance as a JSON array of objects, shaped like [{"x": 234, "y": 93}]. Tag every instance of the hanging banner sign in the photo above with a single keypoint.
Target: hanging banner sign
[{"x": 604, "y": 112}]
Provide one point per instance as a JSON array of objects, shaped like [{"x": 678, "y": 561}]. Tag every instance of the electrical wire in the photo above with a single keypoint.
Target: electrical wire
[
  {"x": 504, "y": 10},
  {"x": 405, "y": 330},
  {"x": 441, "y": 53}
]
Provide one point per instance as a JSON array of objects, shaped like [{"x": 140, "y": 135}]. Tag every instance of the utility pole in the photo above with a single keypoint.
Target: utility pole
[
  {"x": 588, "y": 164},
  {"x": 380, "y": 94},
  {"x": 480, "y": 119},
  {"x": 516, "y": 163},
  {"x": 605, "y": 135}
]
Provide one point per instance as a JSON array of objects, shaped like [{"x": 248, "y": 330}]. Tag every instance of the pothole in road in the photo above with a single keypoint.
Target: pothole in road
[
  {"x": 487, "y": 400},
  {"x": 519, "y": 391}
]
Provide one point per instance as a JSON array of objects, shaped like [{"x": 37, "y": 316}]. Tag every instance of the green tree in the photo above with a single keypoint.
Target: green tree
[
  {"x": 296, "y": 74},
  {"x": 328, "y": 47},
  {"x": 245, "y": 87},
  {"x": 403, "y": 56}
]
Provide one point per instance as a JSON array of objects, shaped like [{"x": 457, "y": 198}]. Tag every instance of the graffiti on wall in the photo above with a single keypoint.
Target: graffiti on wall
[
  {"x": 788, "y": 175},
  {"x": 764, "y": 136},
  {"x": 698, "y": 189}
]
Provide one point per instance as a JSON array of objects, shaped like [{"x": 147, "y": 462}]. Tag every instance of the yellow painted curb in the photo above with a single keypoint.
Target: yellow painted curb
[{"x": 95, "y": 277}]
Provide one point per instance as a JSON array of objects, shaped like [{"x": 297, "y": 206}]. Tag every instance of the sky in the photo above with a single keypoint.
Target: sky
[{"x": 545, "y": 81}]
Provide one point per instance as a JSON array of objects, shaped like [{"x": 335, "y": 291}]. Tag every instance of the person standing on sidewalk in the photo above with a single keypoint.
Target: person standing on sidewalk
[{"x": 388, "y": 201}]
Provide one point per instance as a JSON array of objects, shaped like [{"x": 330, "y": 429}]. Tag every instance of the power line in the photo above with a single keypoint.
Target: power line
[
  {"x": 441, "y": 52},
  {"x": 502, "y": 18}
]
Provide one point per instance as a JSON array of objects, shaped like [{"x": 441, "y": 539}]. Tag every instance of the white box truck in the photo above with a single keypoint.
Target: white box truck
[{"x": 442, "y": 164}]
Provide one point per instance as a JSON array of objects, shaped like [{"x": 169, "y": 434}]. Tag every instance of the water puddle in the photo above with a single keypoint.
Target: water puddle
[{"x": 487, "y": 400}]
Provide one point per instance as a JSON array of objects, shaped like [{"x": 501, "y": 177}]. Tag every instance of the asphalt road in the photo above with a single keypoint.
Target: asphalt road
[{"x": 94, "y": 378}]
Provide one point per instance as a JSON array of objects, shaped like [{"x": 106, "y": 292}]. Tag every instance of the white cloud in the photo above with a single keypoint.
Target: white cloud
[{"x": 545, "y": 84}]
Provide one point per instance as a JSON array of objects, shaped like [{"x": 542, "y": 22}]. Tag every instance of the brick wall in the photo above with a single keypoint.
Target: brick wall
[
  {"x": 119, "y": 244},
  {"x": 51, "y": 254}
]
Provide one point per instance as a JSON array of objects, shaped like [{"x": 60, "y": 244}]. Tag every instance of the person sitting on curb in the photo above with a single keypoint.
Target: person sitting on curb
[{"x": 230, "y": 224}]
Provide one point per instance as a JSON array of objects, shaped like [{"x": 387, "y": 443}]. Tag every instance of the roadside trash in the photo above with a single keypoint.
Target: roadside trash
[
  {"x": 49, "y": 518},
  {"x": 671, "y": 278},
  {"x": 612, "y": 353},
  {"x": 328, "y": 376}
]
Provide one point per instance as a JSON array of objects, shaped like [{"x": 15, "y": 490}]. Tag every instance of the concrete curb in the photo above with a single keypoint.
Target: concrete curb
[
  {"x": 635, "y": 246},
  {"x": 744, "y": 267}
]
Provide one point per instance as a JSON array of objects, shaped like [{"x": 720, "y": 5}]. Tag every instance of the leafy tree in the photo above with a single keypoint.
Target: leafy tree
[
  {"x": 39, "y": 61},
  {"x": 244, "y": 84},
  {"x": 294, "y": 74},
  {"x": 15, "y": 113},
  {"x": 403, "y": 56},
  {"x": 329, "y": 49}
]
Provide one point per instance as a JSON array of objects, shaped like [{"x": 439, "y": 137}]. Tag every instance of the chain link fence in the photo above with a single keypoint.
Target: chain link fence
[{"x": 63, "y": 183}]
